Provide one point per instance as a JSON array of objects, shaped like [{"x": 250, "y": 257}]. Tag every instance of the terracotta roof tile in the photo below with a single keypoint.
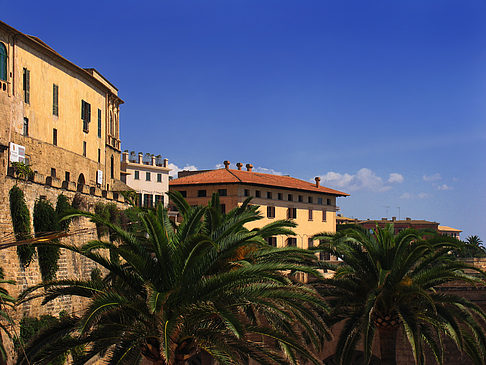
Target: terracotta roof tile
[{"x": 225, "y": 176}]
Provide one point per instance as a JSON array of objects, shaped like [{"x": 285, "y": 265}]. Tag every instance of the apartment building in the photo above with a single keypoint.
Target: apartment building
[
  {"x": 312, "y": 206},
  {"x": 148, "y": 175},
  {"x": 61, "y": 119}
]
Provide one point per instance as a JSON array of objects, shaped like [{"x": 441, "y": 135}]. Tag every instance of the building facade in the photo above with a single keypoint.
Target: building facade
[
  {"x": 63, "y": 119},
  {"x": 311, "y": 206},
  {"x": 148, "y": 175}
]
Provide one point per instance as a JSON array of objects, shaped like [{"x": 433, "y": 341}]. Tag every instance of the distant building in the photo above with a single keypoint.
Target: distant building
[
  {"x": 449, "y": 231},
  {"x": 148, "y": 175},
  {"x": 311, "y": 206},
  {"x": 340, "y": 219},
  {"x": 61, "y": 119}
]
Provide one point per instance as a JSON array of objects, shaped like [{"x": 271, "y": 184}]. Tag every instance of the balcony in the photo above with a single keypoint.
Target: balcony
[{"x": 113, "y": 142}]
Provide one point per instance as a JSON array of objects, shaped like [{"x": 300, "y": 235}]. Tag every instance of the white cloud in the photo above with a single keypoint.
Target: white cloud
[
  {"x": 175, "y": 169},
  {"x": 422, "y": 195},
  {"x": 444, "y": 187},
  {"x": 364, "y": 179},
  {"x": 267, "y": 171},
  {"x": 219, "y": 166},
  {"x": 433, "y": 177},
  {"x": 406, "y": 196},
  {"x": 395, "y": 178},
  {"x": 409, "y": 196}
]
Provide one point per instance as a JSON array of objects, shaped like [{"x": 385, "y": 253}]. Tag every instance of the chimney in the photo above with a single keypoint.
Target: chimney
[
  {"x": 394, "y": 219},
  {"x": 152, "y": 160},
  {"x": 226, "y": 164},
  {"x": 318, "y": 180},
  {"x": 408, "y": 219},
  {"x": 125, "y": 156},
  {"x": 249, "y": 166},
  {"x": 239, "y": 165},
  {"x": 140, "y": 157},
  {"x": 166, "y": 162}
]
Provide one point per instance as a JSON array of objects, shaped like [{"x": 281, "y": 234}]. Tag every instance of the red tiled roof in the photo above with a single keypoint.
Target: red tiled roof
[{"x": 228, "y": 176}]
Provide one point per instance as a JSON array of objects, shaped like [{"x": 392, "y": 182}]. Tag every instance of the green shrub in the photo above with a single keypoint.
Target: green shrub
[
  {"x": 45, "y": 221},
  {"x": 62, "y": 208},
  {"x": 21, "y": 225}
]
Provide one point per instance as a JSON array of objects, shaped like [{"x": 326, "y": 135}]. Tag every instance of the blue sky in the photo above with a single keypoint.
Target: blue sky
[{"x": 385, "y": 100}]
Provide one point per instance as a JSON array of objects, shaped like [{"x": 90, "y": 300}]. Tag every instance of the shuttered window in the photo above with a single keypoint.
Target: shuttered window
[
  {"x": 55, "y": 100},
  {"x": 85, "y": 115},
  {"x": 99, "y": 123},
  {"x": 26, "y": 85},
  {"x": 3, "y": 62}
]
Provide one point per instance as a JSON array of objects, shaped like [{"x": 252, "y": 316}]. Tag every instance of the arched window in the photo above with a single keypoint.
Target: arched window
[
  {"x": 3, "y": 62},
  {"x": 111, "y": 123}
]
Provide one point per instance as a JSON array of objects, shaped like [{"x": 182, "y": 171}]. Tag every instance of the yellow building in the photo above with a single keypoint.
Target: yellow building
[
  {"x": 63, "y": 118},
  {"x": 311, "y": 206}
]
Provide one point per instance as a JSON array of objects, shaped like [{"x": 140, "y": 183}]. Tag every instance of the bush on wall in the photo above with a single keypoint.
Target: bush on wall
[
  {"x": 45, "y": 221},
  {"x": 62, "y": 208},
  {"x": 21, "y": 225}
]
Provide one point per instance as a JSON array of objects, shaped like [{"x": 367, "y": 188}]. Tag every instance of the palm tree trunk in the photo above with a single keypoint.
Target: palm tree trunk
[{"x": 388, "y": 345}]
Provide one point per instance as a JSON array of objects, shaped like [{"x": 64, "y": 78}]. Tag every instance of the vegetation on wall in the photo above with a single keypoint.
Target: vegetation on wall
[
  {"x": 45, "y": 221},
  {"x": 109, "y": 213},
  {"x": 22, "y": 171},
  {"x": 21, "y": 225},
  {"x": 6, "y": 301},
  {"x": 62, "y": 208}
]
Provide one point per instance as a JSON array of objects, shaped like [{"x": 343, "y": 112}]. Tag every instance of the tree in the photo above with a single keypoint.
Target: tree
[
  {"x": 388, "y": 282},
  {"x": 6, "y": 301},
  {"x": 175, "y": 292}
]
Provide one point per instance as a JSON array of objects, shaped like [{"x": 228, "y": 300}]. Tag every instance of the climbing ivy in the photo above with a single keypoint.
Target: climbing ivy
[
  {"x": 62, "y": 208},
  {"x": 45, "y": 221},
  {"x": 21, "y": 225}
]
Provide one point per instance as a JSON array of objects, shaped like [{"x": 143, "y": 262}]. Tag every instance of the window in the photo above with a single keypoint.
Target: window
[
  {"x": 319, "y": 201},
  {"x": 272, "y": 241},
  {"x": 279, "y": 196},
  {"x": 290, "y": 197},
  {"x": 148, "y": 201},
  {"x": 112, "y": 167},
  {"x": 223, "y": 208},
  {"x": 324, "y": 256},
  {"x": 310, "y": 214},
  {"x": 222, "y": 192},
  {"x": 55, "y": 100},
  {"x": 26, "y": 85},
  {"x": 269, "y": 195},
  {"x": 99, "y": 155},
  {"x": 147, "y": 176},
  {"x": 324, "y": 216},
  {"x": 159, "y": 199},
  {"x": 328, "y": 201},
  {"x": 67, "y": 176},
  {"x": 111, "y": 123},
  {"x": 136, "y": 175},
  {"x": 201, "y": 193},
  {"x": 292, "y": 213},
  {"x": 85, "y": 115},
  {"x": 54, "y": 137},
  {"x": 25, "y": 129},
  {"x": 258, "y": 193},
  {"x": 247, "y": 192},
  {"x": 84, "y": 149},
  {"x": 183, "y": 193},
  {"x": 310, "y": 243},
  {"x": 301, "y": 198},
  {"x": 3, "y": 62},
  {"x": 53, "y": 172},
  {"x": 159, "y": 177},
  {"x": 291, "y": 242},
  {"x": 309, "y": 200},
  {"x": 99, "y": 123},
  {"x": 270, "y": 212}
]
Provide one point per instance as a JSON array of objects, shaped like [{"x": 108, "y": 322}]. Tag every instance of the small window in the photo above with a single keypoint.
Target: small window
[
  {"x": 136, "y": 175},
  {"x": 270, "y": 212},
  {"x": 25, "y": 129},
  {"x": 290, "y": 197},
  {"x": 269, "y": 195},
  {"x": 324, "y": 256},
  {"x": 301, "y": 198},
  {"x": 112, "y": 167},
  {"x": 55, "y": 100},
  {"x": 222, "y": 192},
  {"x": 291, "y": 242},
  {"x": 99, "y": 123},
  {"x": 53, "y": 172},
  {"x": 147, "y": 176},
  {"x": 201, "y": 193},
  {"x": 159, "y": 177},
  {"x": 309, "y": 200},
  {"x": 84, "y": 149},
  {"x": 99, "y": 155},
  {"x": 54, "y": 137},
  {"x": 67, "y": 176},
  {"x": 328, "y": 201},
  {"x": 3, "y": 62},
  {"x": 292, "y": 213},
  {"x": 319, "y": 201},
  {"x": 279, "y": 196},
  {"x": 324, "y": 216},
  {"x": 272, "y": 241},
  {"x": 26, "y": 85},
  {"x": 183, "y": 193},
  {"x": 310, "y": 214},
  {"x": 310, "y": 243},
  {"x": 258, "y": 194},
  {"x": 247, "y": 192}
]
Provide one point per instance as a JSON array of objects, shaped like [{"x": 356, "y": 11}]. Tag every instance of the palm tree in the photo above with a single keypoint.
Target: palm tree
[
  {"x": 388, "y": 282},
  {"x": 175, "y": 292},
  {"x": 6, "y": 301}
]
